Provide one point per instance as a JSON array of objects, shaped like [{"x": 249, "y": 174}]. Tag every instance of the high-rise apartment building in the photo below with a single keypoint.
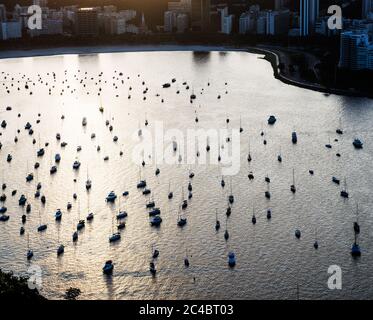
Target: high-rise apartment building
[
  {"x": 308, "y": 15},
  {"x": 2, "y": 13},
  {"x": 367, "y": 8},
  {"x": 356, "y": 52},
  {"x": 200, "y": 14},
  {"x": 87, "y": 22}
]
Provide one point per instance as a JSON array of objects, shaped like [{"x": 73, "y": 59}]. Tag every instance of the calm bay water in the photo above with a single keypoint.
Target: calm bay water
[{"x": 270, "y": 260}]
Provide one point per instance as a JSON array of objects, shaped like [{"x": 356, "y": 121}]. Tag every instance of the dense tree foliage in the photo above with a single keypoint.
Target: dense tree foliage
[{"x": 12, "y": 287}]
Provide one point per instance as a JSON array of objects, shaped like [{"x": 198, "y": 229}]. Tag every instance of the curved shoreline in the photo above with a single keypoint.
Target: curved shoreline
[
  {"x": 270, "y": 55},
  {"x": 274, "y": 59}
]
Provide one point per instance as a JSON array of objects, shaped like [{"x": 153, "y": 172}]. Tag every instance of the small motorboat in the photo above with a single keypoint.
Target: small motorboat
[
  {"x": 355, "y": 250},
  {"x": 121, "y": 225},
  {"x": 75, "y": 236},
  {"x": 226, "y": 235},
  {"x": 231, "y": 259},
  {"x": 152, "y": 268},
  {"x": 40, "y": 152},
  {"x": 76, "y": 165},
  {"x": 229, "y": 211},
  {"x": 156, "y": 221},
  {"x": 60, "y": 250},
  {"x": 253, "y": 219},
  {"x": 121, "y": 215},
  {"x": 344, "y": 194},
  {"x": 272, "y": 120},
  {"x": 29, "y": 254},
  {"x": 108, "y": 267},
  {"x": 111, "y": 197},
  {"x": 53, "y": 170},
  {"x": 42, "y": 227},
  {"x": 231, "y": 198},
  {"x": 29, "y": 177},
  {"x": 141, "y": 184},
  {"x": 357, "y": 144},
  {"x": 316, "y": 245},
  {"x": 88, "y": 184},
  {"x": 184, "y": 205},
  {"x": 84, "y": 122},
  {"x": 269, "y": 214},
  {"x": 114, "y": 237},
  {"x": 186, "y": 262},
  {"x": 294, "y": 137},
  {"x": 150, "y": 204},
  {"x": 58, "y": 215},
  {"x": 182, "y": 222},
  {"x": 22, "y": 200},
  {"x": 155, "y": 254},
  {"x": 297, "y": 233},
  {"x": 80, "y": 225},
  {"x": 154, "y": 212},
  {"x": 4, "y": 217}
]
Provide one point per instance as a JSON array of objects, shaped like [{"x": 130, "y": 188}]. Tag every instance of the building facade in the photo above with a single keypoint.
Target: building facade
[
  {"x": 200, "y": 15},
  {"x": 356, "y": 52},
  {"x": 308, "y": 15},
  {"x": 367, "y": 6},
  {"x": 87, "y": 22},
  {"x": 10, "y": 30}
]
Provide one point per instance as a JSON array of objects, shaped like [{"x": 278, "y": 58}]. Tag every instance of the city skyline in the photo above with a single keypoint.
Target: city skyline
[{"x": 201, "y": 16}]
